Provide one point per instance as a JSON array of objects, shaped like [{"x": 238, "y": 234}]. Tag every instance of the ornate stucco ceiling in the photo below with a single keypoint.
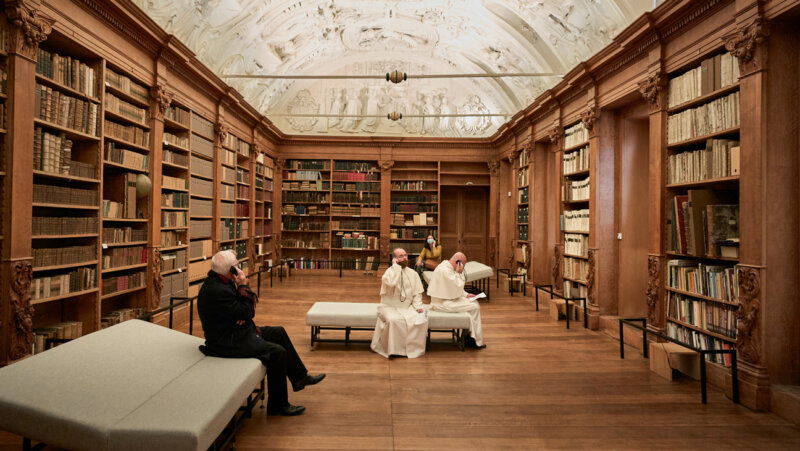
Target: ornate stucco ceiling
[{"x": 372, "y": 37}]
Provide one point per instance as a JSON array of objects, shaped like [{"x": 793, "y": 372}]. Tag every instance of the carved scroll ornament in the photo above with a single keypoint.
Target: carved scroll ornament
[
  {"x": 591, "y": 266},
  {"x": 555, "y": 137},
  {"x": 558, "y": 281},
  {"x": 31, "y": 28},
  {"x": 747, "y": 316},
  {"x": 387, "y": 165},
  {"x": 653, "y": 287},
  {"x": 652, "y": 90},
  {"x": 745, "y": 45},
  {"x": 494, "y": 168},
  {"x": 163, "y": 99},
  {"x": 157, "y": 280},
  {"x": 21, "y": 310},
  {"x": 384, "y": 244},
  {"x": 222, "y": 133},
  {"x": 589, "y": 117}
]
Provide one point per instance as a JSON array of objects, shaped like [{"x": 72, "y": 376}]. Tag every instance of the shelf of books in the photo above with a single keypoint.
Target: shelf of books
[
  {"x": 414, "y": 210},
  {"x": 522, "y": 242},
  {"x": 355, "y": 214},
  {"x": 67, "y": 187},
  {"x": 702, "y": 210},
  {"x": 175, "y": 203},
  {"x": 575, "y": 209},
  {"x": 126, "y": 162},
  {"x": 306, "y": 213},
  {"x": 202, "y": 207},
  {"x": 263, "y": 189},
  {"x": 236, "y": 156}
]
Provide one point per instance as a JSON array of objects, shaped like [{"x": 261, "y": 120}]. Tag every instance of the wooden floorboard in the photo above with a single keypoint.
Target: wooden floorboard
[{"x": 536, "y": 386}]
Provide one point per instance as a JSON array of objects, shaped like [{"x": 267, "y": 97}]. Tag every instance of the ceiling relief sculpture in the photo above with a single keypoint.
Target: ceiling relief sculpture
[{"x": 370, "y": 37}]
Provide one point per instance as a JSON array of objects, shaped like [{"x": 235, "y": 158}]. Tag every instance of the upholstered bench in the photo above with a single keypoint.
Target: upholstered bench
[
  {"x": 132, "y": 386},
  {"x": 350, "y": 316},
  {"x": 477, "y": 278}
]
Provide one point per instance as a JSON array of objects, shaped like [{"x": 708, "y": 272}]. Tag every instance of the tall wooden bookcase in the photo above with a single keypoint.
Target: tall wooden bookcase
[
  {"x": 575, "y": 211},
  {"x": 522, "y": 238},
  {"x": 414, "y": 209}
]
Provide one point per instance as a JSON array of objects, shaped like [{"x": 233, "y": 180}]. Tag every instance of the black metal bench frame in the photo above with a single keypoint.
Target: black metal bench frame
[
  {"x": 549, "y": 289},
  {"x": 703, "y": 352},
  {"x": 508, "y": 274},
  {"x": 459, "y": 336}
]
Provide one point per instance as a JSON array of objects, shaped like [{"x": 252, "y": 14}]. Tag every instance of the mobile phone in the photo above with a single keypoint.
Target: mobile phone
[{"x": 233, "y": 271}]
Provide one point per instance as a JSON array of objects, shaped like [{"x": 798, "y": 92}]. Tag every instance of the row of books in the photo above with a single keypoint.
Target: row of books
[
  {"x": 412, "y": 208},
  {"x": 230, "y": 229},
  {"x": 302, "y": 175},
  {"x": 51, "y": 152},
  {"x": 241, "y": 253},
  {"x": 574, "y": 190},
  {"x": 127, "y": 133},
  {"x": 169, "y": 182},
  {"x": 178, "y": 115},
  {"x": 177, "y": 158},
  {"x": 226, "y": 192},
  {"x": 576, "y": 290},
  {"x": 174, "y": 219},
  {"x": 707, "y": 315},
  {"x": 576, "y": 161},
  {"x": 339, "y": 210},
  {"x": 358, "y": 166},
  {"x": 522, "y": 195},
  {"x": 357, "y": 197},
  {"x": 199, "y": 228},
  {"x": 122, "y": 283},
  {"x": 718, "y": 115},
  {"x": 259, "y": 213},
  {"x": 356, "y": 224},
  {"x": 400, "y": 234},
  {"x": 522, "y": 177},
  {"x": 575, "y": 135},
  {"x": 322, "y": 243},
  {"x": 228, "y": 157},
  {"x": 522, "y": 159},
  {"x": 126, "y": 85},
  {"x": 243, "y": 176},
  {"x": 202, "y": 126},
  {"x": 116, "y": 235},
  {"x": 318, "y": 197},
  {"x": 715, "y": 281},
  {"x": 418, "y": 219},
  {"x": 175, "y": 200},
  {"x": 308, "y": 164},
  {"x": 698, "y": 225},
  {"x": 355, "y": 240},
  {"x": 79, "y": 279},
  {"x": 356, "y": 176},
  {"x": 261, "y": 169},
  {"x": 416, "y": 198},
  {"x": 118, "y": 316},
  {"x": 125, "y": 157},
  {"x": 288, "y": 223},
  {"x": 55, "y": 225},
  {"x": 242, "y": 192},
  {"x": 68, "y": 330},
  {"x": 720, "y": 158},
  {"x": 576, "y": 268},
  {"x": 411, "y": 186},
  {"x": 199, "y": 249},
  {"x": 52, "y": 194},
  {"x": 228, "y": 175},
  {"x": 522, "y": 232},
  {"x": 318, "y": 185},
  {"x": 262, "y": 229},
  {"x": 117, "y": 257},
  {"x": 233, "y": 142},
  {"x": 118, "y": 106},
  {"x": 575, "y": 220},
  {"x": 576, "y": 244},
  {"x": 700, "y": 341},
  {"x": 67, "y": 71},
  {"x": 242, "y": 210},
  {"x": 55, "y": 256},
  {"x": 175, "y": 140},
  {"x": 313, "y": 210},
  {"x": 173, "y": 260},
  {"x": 226, "y": 210},
  {"x": 172, "y": 238},
  {"x": 522, "y": 215},
  {"x": 60, "y": 109},
  {"x": 712, "y": 74}
]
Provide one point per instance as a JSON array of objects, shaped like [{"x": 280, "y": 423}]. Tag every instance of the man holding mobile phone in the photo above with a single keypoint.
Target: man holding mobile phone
[
  {"x": 226, "y": 306},
  {"x": 446, "y": 290}
]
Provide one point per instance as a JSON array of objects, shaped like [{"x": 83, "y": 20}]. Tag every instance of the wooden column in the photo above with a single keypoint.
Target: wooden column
[
  {"x": 220, "y": 134},
  {"x": 161, "y": 99},
  {"x": 277, "y": 208},
  {"x": 495, "y": 195},
  {"x": 386, "y": 199},
  {"x": 27, "y": 29},
  {"x": 537, "y": 214},
  {"x": 557, "y": 147}
]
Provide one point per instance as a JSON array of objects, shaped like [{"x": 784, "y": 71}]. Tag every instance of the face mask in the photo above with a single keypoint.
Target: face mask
[
  {"x": 430, "y": 240},
  {"x": 403, "y": 264}
]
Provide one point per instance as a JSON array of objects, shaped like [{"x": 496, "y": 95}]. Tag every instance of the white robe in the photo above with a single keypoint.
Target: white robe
[
  {"x": 446, "y": 290},
  {"x": 395, "y": 330}
]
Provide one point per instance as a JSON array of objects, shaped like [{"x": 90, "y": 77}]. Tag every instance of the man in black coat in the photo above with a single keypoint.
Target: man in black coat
[{"x": 226, "y": 306}]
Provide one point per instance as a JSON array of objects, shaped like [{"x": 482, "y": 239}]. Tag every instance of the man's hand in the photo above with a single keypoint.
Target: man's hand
[
  {"x": 240, "y": 322},
  {"x": 420, "y": 310},
  {"x": 419, "y": 262},
  {"x": 459, "y": 267},
  {"x": 394, "y": 260},
  {"x": 470, "y": 296},
  {"x": 240, "y": 278}
]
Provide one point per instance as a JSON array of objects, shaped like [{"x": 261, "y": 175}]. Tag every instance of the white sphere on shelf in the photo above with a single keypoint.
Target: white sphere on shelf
[{"x": 143, "y": 185}]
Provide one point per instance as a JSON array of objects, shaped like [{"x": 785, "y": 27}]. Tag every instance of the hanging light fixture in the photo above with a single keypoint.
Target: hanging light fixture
[
  {"x": 394, "y": 115},
  {"x": 396, "y": 77}
]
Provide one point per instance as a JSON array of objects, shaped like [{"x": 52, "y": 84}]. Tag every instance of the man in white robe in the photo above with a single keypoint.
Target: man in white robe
[
  {"x": 446, "y": 290},
  {"x": 398, "y": 331}
]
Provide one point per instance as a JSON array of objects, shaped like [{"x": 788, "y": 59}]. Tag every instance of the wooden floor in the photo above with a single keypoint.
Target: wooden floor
[{"x": 535, "y": 386}]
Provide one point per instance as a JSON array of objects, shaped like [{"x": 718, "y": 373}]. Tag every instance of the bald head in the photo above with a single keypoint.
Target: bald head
[{"x": 458, "y": 257}]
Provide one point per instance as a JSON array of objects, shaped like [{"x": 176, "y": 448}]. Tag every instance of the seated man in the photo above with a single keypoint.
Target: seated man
[
  {"x": 226, "y": 307},
  {"x": 397, "y": 331},
  {"x": 446, "y": 290}
]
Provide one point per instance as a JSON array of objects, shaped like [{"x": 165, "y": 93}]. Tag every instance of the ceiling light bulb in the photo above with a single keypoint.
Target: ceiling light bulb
[{"x": 396, "y": 76}]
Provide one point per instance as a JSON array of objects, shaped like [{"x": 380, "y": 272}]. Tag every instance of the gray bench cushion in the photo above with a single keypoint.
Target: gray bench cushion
[
  {"x": 356, "y": 314},
  {"x": 75, "y": 395}
]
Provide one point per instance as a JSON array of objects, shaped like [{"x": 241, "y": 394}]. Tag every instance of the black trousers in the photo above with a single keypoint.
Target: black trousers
[{"x": 279, "y": 356}]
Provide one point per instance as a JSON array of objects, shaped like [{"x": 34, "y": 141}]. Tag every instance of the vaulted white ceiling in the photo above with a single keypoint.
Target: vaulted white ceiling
[{"x": 372, "y": 37}]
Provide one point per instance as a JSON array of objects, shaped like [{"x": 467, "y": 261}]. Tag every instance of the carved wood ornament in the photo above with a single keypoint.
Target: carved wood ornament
[
  {"x": 163, "y": 99},
  {"x": 384, "y": 244},
  {"x": 513, "y": 157},
  {"x": 387, "y": 165},
  {"x": 158, "y": 280},
  {"x": 222, "y": 133},
  {"x": 653, "y": 288},
  {"x": 746, "y": 45},
  {"x": 30, "y": 28},
  {"x": 21, "y": 310},
  {"x": 279, "y": 164},
  {"x": 652, "y": 90},
  {"x": 555, "y": 137},
  {"x": 589, "y": 117},
  {"x": 494, "y": 167},
  {"x": 492, "y": 250},
  {"x": 558, "y": 282},
  {"x": 590, "y": 269},
  {"x": 747, "y": 316}
]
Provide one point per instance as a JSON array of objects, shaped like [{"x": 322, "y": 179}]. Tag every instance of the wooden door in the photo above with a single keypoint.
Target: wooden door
[{"x": 464, "y": 221}]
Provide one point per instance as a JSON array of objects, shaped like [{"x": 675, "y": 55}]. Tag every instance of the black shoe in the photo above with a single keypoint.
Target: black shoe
[
  {"x": 307, "y": 380},
  {"x": 469, "y": 342},
  {"x": 287, "y": 411}
]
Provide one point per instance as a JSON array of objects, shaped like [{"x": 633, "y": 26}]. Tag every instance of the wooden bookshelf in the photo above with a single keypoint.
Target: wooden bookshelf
[
  {"x": 522, "y": 240},
  {"x": 701, "y": 179},
  {"x": 408, "y": 203},
  {"x": 575, "y": 209}
]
